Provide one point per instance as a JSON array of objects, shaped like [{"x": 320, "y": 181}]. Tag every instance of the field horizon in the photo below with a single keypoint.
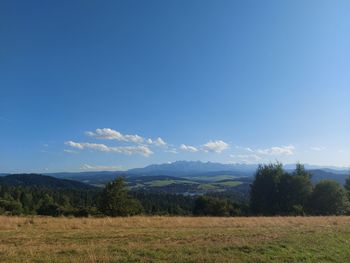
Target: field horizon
[{"x": 174, "y": 239}]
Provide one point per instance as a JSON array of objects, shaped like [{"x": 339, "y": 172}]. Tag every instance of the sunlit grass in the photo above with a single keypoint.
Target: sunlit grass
[
  {"x": 165, "y": 182},
  {"x": 175, "y": 239}
]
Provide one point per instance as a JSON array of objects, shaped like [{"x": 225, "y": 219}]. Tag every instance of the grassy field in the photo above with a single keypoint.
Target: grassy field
[{"x": 175, "y": 239}]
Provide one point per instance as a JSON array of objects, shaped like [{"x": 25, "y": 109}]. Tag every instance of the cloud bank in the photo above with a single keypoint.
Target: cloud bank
[
  {"x": 129, "y": 150},
  {"x": 216, "y": 146}
]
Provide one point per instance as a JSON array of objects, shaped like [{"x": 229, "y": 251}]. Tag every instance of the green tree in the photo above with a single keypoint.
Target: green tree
[
  {"x": 328, "y": 198},
  {"x": 116, "y": 201},
  {"x": 264, "y": 193},
  {"x": 347, "y": 186},
  {"x": 48, "y": 207},
  {"x": 27, "y": 202},
  {"x": 295, "y": 190},
  {"x": 211, "y": 206},
  {"x": 11, "y": 206}
]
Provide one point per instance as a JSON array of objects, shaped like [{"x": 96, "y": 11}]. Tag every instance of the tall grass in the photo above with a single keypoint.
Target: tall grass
[{"x": 175, "y": 239}]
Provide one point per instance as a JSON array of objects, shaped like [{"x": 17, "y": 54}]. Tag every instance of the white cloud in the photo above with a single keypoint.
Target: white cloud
[
  {"x": 217, "y": 146},
  {"x": 188, "y": 148},
  {"x": 159, "y": 142},
  {"x": 174, "y": 151},
  {"x": 74, "y": 145},
  {"x": 87, "y": 145},
  {"x": 87, "y": 167},
  {"x": 277, "y": 150},
  {"x": 140, "y": 149},
  {"x": 110, "y": 134}
]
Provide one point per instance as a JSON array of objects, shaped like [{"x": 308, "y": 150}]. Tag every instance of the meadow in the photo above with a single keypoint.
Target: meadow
[{"x": 175, "y": 239}]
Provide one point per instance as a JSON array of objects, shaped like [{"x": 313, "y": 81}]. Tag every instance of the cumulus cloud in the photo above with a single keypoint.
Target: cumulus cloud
[
  {"x": 110, "y": 134},
  {"x": 87, "y": 167},
  {"x": 216, "y": 146},
  {"x": 188, "y": 148},
  {"x": 87, "y": 145},
  {"x": 157, "y": 142},
  {"x": 277, "y": 150},
  {"x": 139, "y": 149}
]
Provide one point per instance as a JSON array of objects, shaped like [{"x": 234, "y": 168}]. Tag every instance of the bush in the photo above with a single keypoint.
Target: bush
[
  {"x": 14, "y": 207},
  {"x": 211, "y": 206},
  {"x": 328, "y": 198}
]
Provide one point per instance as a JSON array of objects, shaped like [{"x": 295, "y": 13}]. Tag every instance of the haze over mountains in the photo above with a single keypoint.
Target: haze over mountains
[
  {"x": 199, "y": 170},
  {"x": 180, "y": 177},
  {"x": 187, "y": 168}
]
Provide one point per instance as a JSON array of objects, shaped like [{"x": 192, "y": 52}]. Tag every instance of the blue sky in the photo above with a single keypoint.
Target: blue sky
[{"x": 226, "y": 81}]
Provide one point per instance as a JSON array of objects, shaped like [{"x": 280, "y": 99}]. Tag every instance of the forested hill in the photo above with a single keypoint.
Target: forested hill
[{"x": 42, "y": 181}]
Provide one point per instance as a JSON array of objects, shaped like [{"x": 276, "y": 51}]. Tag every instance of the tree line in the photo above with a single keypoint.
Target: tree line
[
  {"x": 277, "y": 192},
  {"x": 114, "y": 200},
  {"x": 273, "y": 192}
]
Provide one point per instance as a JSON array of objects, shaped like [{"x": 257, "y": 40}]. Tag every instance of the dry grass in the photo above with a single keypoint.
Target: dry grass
[{"x": 175, "y": 239}]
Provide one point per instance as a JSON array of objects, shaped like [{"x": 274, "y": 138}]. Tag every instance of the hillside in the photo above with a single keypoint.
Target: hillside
[
  {"x": 39, "y": 180},
  {"x": 327, "y": 174},
  {"x": 189, "y": 177}
]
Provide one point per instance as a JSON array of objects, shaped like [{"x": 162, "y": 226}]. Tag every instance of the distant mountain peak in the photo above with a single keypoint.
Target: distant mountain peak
[{"x": 182, "y": 167}]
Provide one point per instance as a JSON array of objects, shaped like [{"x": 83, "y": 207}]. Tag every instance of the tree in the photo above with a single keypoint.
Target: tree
[
  {"x": 264, "y": 193},
  {"x": 11, "y": 206},
  {"x": 116, "y": 201},
  {"x": 347, "y": 186},
  {"x": 328, "y": 198},
  {"x": 295, "y": 190},
  {"x": 211, "y": 206},
  {"x": 27, "y": 202},
  {"x": 48, "y": 207}
]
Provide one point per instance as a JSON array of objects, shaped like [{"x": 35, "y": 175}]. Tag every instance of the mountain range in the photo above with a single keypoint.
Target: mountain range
[{"x": 190, "y": 177}]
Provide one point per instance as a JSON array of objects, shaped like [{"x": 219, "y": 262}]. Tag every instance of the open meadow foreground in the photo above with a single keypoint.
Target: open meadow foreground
[{"x": 175, "y": 239}]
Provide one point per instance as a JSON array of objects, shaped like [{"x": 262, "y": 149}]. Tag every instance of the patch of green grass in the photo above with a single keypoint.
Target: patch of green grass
[
  {"x": 165, "y": 182},
  {"x": 207, "y": 187},
  {"x": 218, "y": 185},
  {"x": 228, "y": 183},
  {"x": 212, "y": 178}
]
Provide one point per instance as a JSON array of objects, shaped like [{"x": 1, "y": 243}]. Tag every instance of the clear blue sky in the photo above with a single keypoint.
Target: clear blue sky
[{"x": 227, "y": 81}]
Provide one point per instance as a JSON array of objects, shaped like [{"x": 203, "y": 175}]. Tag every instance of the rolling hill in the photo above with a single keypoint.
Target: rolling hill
[{"x": 38, "y": 180}]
